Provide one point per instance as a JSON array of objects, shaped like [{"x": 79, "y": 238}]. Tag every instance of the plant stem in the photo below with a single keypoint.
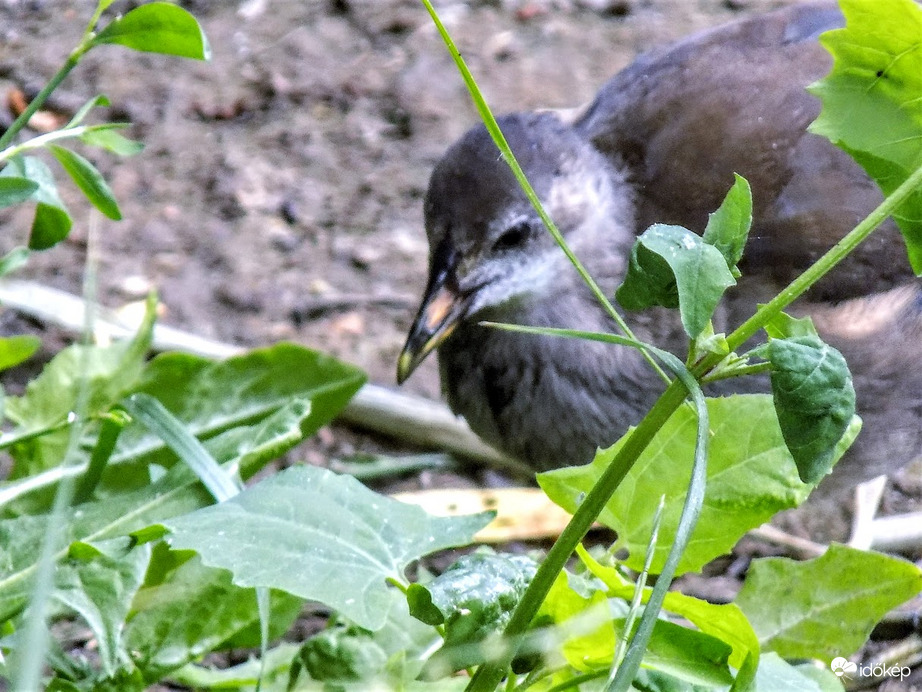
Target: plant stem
[
  {"x": 490, "y": 674},
  {"x": 824, "y": 264},
  {"x": 45, "y": 139},
  {"x": 42, "y": 96}
]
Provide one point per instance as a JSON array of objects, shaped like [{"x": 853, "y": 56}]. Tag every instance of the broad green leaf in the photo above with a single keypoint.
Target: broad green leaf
[
  {"x": 777, "y": 675},
  {"x": 107, "y": 372},
  {"x": 751, "y": 476},
  {"x": 672, "y": 267},
  {"x": 51, "y": 223},
  {"x": 473, "y": 599},
  {"x": 131, "y": 513},
  {"x": 109, "y": 139},
  {"x": 683, "y": 653},
  {"x": 592, "y": 644},
  {"x": 192, "y": 610},
  {"x": 101, "y": 590},
  {"x": 877, "y": 78},
  {"x": 50, "y": 226},
  {"x": 158, "y": 27},
  {"x": 728, "y": 227},
  {"x": 814, "y": 399},
  {"x": 213, "y": 397},
  {"x": 14, "y": 190},
  {"x": 89, "y": 180},
  {"x": 178, "y": 492},
  {"x": 343, "y": 653},
  {"x": 824, "y": 607},
  {"x": 475, "y": 595},
  {"x": 320, "y": 536},
  {"x": 16, "y": 349},
  {"x": 723, "y": 621}
]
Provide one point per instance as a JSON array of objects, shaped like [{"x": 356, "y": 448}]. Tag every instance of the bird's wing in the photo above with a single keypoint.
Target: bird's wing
[{"x": 732, "y": 99}]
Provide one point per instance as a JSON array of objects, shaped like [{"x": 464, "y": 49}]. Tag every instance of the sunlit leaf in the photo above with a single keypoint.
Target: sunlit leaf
[
  {"x": 827, "y": 606},
  {"x": 320, "y": 536},
  {"x": 158, "y": 27},
  {"x": 871, "y": 104},
  {"x": 672, "y": 267},
  {"x": 89, "y": 180}
]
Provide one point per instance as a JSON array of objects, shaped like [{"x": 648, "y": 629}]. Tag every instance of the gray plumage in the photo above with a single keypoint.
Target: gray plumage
[{"x": 659, "y": 144}]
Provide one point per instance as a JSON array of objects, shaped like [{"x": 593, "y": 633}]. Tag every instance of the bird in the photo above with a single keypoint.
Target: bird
[{"x": 660, "y": 144}]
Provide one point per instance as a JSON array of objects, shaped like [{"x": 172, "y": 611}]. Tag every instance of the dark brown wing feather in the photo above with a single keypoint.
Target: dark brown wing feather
[{"x": 733, "y": 99}]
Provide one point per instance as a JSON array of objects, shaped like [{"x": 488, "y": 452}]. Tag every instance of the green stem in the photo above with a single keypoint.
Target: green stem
[
  {"x": 45, "y": 139},
  {"x": 42, "y": 96},
  {"x": 824, "y": 264},
  {"x": 76, "y": 54},
  {"x": 489, "y": 675}
]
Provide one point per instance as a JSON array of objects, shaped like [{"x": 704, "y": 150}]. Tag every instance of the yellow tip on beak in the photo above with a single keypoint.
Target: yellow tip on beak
[{"x": 439, "y": 314}]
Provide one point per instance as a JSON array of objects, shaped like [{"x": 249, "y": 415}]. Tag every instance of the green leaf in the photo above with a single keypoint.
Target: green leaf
[
  {"x": 728, "y": 227},
  {"x": 14, "y": 190},
  {"x": 109, "y": 139},
  {"x": 158, "y": 27},
  {"x": 338, "y": 654},
  {"x": 132, "y": 513},
  {"x": 50, "y": 226},
  {"x": 15, "y": 349},
  {"x": 89, "y": 180},
  {"x": 691, "y": 656},
  {"x": 783, "y": 325},
  {"x": 177, "y": 492},
  {"x": 190, "y": 610},
  {"x": 723, "y": 621},
  {"x": 85, "y": 109},
  {"x": 51, "y": 223},
  {"x": 877, "y": 78},
  {"x": 107, "y": 372},
  {"x": 825, "y": 607},
  {"x": 751, "y": 476},
  {"x": 473, "y": 598},
  {"x": 815, "y": 401},
  {"x": 343, "y": 653},
  {"x": 672, "y": 267},
  {"x": 777, "y": 675},
  {"x": 572, "y": 596},
  {"x": 213, "y": 397},
  {"x": 101, "y": 590},
  {"x": 320, "y": 536}
]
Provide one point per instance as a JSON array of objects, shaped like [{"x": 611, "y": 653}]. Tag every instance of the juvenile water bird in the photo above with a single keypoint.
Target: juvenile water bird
[{"x": 660, "y": 143}]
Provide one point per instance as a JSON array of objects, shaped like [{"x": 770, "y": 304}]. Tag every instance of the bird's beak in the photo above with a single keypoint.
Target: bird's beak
[{"x": 442, "y": 309}]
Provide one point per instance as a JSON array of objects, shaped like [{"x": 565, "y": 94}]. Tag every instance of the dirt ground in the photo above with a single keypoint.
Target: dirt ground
[{"x": 279, "y": 195}]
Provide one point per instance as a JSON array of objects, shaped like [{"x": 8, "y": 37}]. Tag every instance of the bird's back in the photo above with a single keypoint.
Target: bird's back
[{"x": 733, "y": 100}]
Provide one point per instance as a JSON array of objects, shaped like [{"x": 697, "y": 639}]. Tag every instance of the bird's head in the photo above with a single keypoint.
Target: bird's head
[{"x": 489, "y": 252}]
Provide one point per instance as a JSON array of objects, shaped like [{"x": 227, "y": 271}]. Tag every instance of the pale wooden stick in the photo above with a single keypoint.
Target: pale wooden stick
[{"x": 408, "y": 418}]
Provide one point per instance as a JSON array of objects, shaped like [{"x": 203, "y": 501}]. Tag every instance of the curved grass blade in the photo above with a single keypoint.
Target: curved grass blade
[{"x": 154, "y": 416}]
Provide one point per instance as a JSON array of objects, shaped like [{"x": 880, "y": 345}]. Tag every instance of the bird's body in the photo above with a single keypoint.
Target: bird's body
[{"x": 660, "y": 144}]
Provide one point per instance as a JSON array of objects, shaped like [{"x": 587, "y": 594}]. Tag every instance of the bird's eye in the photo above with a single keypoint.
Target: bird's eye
[{"x": 513, "y": 237}]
